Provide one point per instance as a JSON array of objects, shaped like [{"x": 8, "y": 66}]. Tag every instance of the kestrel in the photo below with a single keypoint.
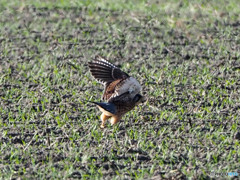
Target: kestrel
[{"x": 121, "y": 91}]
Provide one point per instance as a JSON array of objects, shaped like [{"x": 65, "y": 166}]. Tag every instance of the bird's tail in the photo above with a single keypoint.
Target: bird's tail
[{"x": 107, "y": 107}]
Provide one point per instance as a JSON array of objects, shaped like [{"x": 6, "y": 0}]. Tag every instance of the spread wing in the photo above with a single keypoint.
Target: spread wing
[
  {"x": 116, "y": 81},
  {"x": 105, "y": 72}
]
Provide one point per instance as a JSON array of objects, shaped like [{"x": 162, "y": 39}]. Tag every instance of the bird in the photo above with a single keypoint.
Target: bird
[{"x": 121, "y": 91}]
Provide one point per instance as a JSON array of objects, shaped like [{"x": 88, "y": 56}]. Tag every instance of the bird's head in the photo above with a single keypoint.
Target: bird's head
[{"x": 138, "y": 99}]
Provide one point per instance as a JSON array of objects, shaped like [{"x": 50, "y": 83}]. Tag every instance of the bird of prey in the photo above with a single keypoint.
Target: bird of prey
[{"x": 121, "y": 91}]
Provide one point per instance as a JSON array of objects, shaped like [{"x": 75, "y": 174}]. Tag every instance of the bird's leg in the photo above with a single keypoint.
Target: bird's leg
[
  {"x": 104, "y": 118},
  {"x": 115, "y": 119}
]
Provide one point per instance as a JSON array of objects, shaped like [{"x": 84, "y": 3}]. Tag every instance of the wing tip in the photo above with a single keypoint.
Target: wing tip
[{"x": 101, "y": 60}]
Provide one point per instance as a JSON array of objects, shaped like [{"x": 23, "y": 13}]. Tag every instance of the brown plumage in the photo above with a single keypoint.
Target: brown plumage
[
  {"x": 108, "y": 74},
  {"x": 121, "y": 91}
]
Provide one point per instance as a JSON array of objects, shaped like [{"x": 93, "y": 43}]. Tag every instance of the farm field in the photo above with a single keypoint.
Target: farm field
[{"x": 185, "y": 55}]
